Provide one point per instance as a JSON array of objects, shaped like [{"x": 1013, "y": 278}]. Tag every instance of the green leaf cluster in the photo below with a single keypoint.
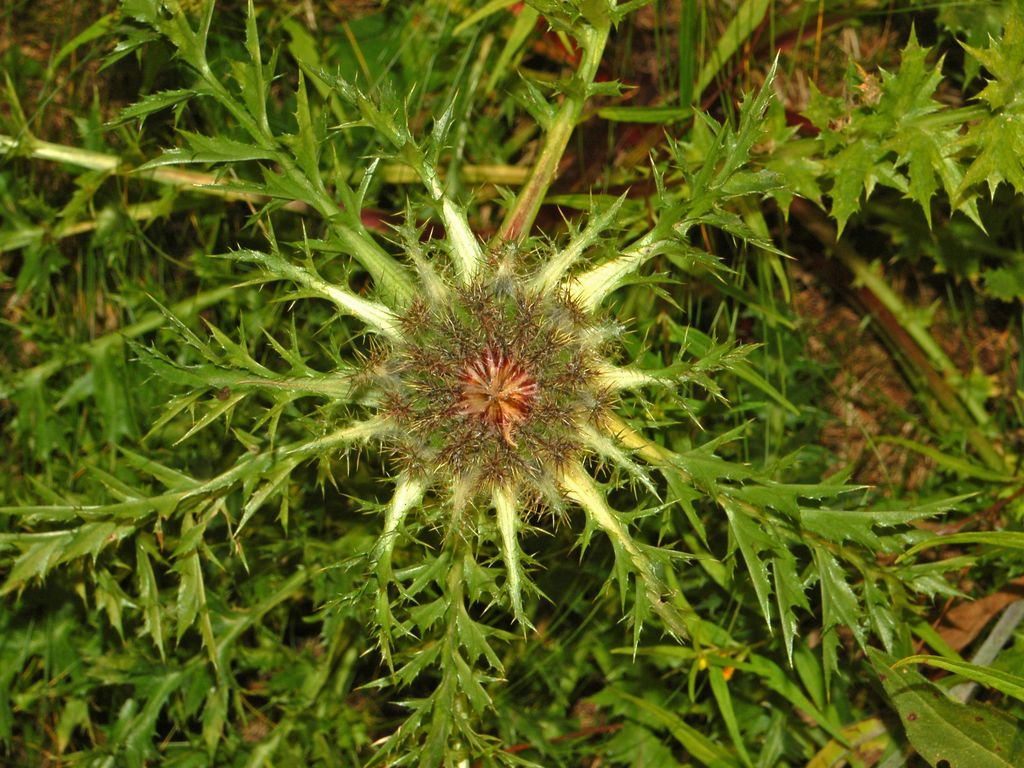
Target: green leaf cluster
[{"x": 208, "y": 558}]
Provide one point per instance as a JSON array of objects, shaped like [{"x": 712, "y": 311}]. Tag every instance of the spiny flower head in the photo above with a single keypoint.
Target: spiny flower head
[
  {"x": 494, "y": 387},
  {"x": 493, "y": 384}
]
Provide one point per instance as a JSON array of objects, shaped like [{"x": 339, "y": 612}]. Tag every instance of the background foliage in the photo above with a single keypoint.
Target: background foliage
[{"x": 187, "y": 547}]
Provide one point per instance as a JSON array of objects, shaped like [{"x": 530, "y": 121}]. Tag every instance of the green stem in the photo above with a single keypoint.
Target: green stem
[
  {"x": 448, "y": 713},
  {"x": 203, "y": 183},
  {"x": 209, "y": 184},
  {"x": 392, "y": 279},
  {"x": 636, "y": 442},
  {"x": 520, "y": 217},
  {"x": 374, "y": 315}
]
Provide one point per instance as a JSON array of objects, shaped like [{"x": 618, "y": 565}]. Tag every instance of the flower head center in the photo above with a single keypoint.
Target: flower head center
[{"x": 497, "y": 390}]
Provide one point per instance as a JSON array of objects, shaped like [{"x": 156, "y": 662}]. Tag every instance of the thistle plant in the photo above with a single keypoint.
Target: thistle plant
[{"x": 489, "y": 393}]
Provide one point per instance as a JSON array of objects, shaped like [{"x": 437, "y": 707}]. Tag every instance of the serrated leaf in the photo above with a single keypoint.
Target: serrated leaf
[
  {"x": 306, "y": 143},
  {"x": 999, "y": 142},
  {"x": 855, "y": 170},
  {"x": 219, "y": 409},
  {"x": 789, "y": 595},
  {"x": 41, "y": 555},
  {"x": 469, "y": 684},
  {"x": 472, "y": 637},
  {"x": 442, "y": 125},
  {"x": 153, "y": 102},
  {"x": 532, "y": 99},
  {"x": 190, "y": 593},
  {"x": 923, "y": 152},
  {"x": 1004, "y": 59},
  {"x": 191, "y": 600},
  {"x": 209, "y": 149},
  {"x": 857, "y": 525},
  {"x": 422, "y": 659},
  {"x": 823, "y": 111},
  {"x": 276, "y": 482},
  {"x": 253, "y": 79},
  {"x": 93, "y": 537},
  {"x": 907, "y": 95},
  {"x": 425, "y": 615},
  {"x": 149, "y": 596},
  {"x": 751, "y": 539},
  {"x": 839, "y": 607},
  {"x": 879, "y": 606}
]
